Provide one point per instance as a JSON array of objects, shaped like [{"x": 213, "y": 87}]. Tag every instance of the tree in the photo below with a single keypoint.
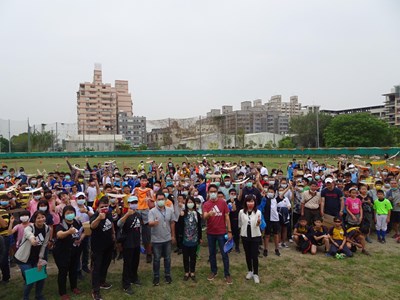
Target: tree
[
  {"x": 3, "y": 144},
  {"x": 358, "y": 130},
  {"x": 304, "y": 129},
  {"x": 19, "y": 143},
  {"x": 286, "y": 142}
]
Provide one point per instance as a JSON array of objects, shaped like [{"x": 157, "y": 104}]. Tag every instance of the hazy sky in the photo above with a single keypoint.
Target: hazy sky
[{"x": 183, "y": 58}]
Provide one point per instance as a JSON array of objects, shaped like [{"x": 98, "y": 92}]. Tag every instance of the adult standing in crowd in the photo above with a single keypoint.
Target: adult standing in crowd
[
  {"x": 102, "y": 244},
  {"x": 67, "y": 251},
  {"x": 162, "y": 224},
  {"x": 249, "y": 224},
  {"x": 311, "y": 207},
  {"x": 31, "y": 252},
  {"x": 216, "y": 214}
]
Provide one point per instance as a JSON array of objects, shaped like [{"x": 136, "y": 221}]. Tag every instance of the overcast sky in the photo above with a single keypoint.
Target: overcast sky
[{"x": 183, "y": 58}]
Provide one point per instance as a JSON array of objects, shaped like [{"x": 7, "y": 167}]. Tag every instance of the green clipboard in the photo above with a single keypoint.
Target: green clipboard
[{"x": 34, "y": 275}]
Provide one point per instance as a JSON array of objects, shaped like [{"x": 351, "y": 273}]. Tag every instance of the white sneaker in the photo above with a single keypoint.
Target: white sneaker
[
  {"x": 249, "y": 275},
  {"x": 256, "y": 279}
]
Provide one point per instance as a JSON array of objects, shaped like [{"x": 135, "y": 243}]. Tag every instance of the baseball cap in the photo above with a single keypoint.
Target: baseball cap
[
  {"x": 328, "y": 180},
  {"x": 80, "y": 194},
  {"x": 133, "y": 199}
]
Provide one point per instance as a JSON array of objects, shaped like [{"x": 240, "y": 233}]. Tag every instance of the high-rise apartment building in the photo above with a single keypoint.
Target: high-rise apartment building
[
  {"x": 392, "y": 106},
  {"x": 132, "y": 128},
  {"x": 99, "y": 104}
]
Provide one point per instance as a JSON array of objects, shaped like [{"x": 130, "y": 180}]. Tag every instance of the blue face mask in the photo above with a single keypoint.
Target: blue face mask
[
  {"x": 133, "y": 206},
  {"x": 69, "y": 217},
  {"x": 4, "y": 203},
  {"x": 2, "y": 186}
]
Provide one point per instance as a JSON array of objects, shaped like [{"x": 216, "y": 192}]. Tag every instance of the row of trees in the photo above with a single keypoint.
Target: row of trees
[
  {"x": 348, "y": 130},
  {"x": 39, "y": 141}
]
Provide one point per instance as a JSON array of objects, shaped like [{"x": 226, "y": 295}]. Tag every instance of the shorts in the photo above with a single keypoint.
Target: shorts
[
  {"x": 395, "y": 216},
  {"x": 272, "y": 227}
]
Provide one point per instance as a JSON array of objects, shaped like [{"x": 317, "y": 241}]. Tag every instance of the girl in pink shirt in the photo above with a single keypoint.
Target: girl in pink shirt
[
  {"x": 354, "y": 208},
  {"x": 19, "y": 228}
]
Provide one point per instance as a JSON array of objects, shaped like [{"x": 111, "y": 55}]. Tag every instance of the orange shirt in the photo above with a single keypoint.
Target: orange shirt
[{"x": 142, "y": 195}]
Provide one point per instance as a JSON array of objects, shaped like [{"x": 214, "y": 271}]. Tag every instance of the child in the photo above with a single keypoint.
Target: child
[
  {"x": 318, "y": 236},
  {"x": 382, "y": 208},
  {"x": 269, "y": 208},
  {"x": 19, "y": 228},
  {"x": 300, "y": 230},
  {"x": 338, "y": 236},
  {"x": 354, "y": 208},
  {"x": 366, "y": 201},
  {"x": 356, "y": 239}
]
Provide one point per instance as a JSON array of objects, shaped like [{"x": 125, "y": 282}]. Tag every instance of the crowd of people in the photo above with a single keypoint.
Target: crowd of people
[{"x": 86, "y": 216}]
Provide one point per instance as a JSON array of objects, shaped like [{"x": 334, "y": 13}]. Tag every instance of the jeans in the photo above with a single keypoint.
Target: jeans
[
  {"x": 212, "y": 249},
  {"x": 28, "y": 287},
  {"x": 5, "y": 262},
  {"x": 100, "y": 262},
  {"x": 333, "y": 249},
  {"x": 164, "y": 250}
]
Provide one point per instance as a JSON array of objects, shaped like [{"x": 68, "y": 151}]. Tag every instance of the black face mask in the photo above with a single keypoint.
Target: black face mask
[{"x": 47, "y": 196}]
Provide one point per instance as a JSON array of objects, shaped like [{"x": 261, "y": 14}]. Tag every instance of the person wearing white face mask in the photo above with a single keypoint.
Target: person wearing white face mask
[
  {"x": 216, "y": 214},
  {"x": 129, "y": 228},
  {"x": 24, "y": 217},
  {"x": 192, "y": 237},
  {"x": 83, "y": 213},
  {"x": 161, "y": 222}
]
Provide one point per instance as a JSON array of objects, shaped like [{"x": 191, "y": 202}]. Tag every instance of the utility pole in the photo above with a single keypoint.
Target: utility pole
[
  {"x": 57, "y": 135},
  {"x": 200, "y": 132},
  {"x": 9, "y": 136},
  {"x": 29, "y": 137},
  {"x": 317, "y": 112}
]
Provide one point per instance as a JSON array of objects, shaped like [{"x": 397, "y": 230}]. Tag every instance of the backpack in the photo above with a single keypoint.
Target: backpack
[{"x": 304, "y": 246}]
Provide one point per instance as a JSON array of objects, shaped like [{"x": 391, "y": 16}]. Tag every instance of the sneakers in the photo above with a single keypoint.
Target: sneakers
[
  {"x": 180, "y": 251},
  {"x": 228, "y": 280},
  {"x": 96, "y": 296},
  {"x": 106, "y": 286},
  {"x": 156, "y": 281},
  {"x": 283, "y": 245},
  {"x": 265, "y": 253},
  {"x": 149, "y": 258},
  {"x": 137, "y": 283},
  {"x": 379, "y": 240},
  {"x": 76, "y": 291},
  {"x": 256, "y": 279},
  {"x": 383, "y": 241},
  {"x": 168, "y": 279},
  {"x": 290, "y": 240},
  {"x": 128, "y": 291},
  {"x": 277, "y": 253},
  {"x": 65, "y": 297},
  {"x": 395, "y": 236},
  {"x": 186, "y": 277},
  {"x": 211, "y": 276},
  {"x": 249, "y": 275}
]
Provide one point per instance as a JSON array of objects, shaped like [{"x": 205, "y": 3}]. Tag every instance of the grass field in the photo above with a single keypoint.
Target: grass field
[
  {"x": 291, "y": 276},
  {"x": 50, "y": 164}
]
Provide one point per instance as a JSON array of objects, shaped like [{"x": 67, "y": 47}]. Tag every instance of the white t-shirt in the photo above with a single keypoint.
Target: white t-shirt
[
  {"x": 274, "y": 216},
  {"x": 92, "y": 193}
]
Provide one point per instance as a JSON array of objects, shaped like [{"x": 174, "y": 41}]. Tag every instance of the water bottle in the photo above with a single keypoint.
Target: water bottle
[{"x": 230, "y": 206}]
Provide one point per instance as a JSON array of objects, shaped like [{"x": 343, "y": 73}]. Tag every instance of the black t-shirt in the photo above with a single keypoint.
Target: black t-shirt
[
  {"x": 332, "y": 201},
  {"x": 65, "y": 245},
  {"x": 234, "y": 215},
  {"x": 314, "y": 232},
  {"x": 102, "y": 235},
  {"x": 40, "y": 234},
  {"x": 131, "y": 229}
]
